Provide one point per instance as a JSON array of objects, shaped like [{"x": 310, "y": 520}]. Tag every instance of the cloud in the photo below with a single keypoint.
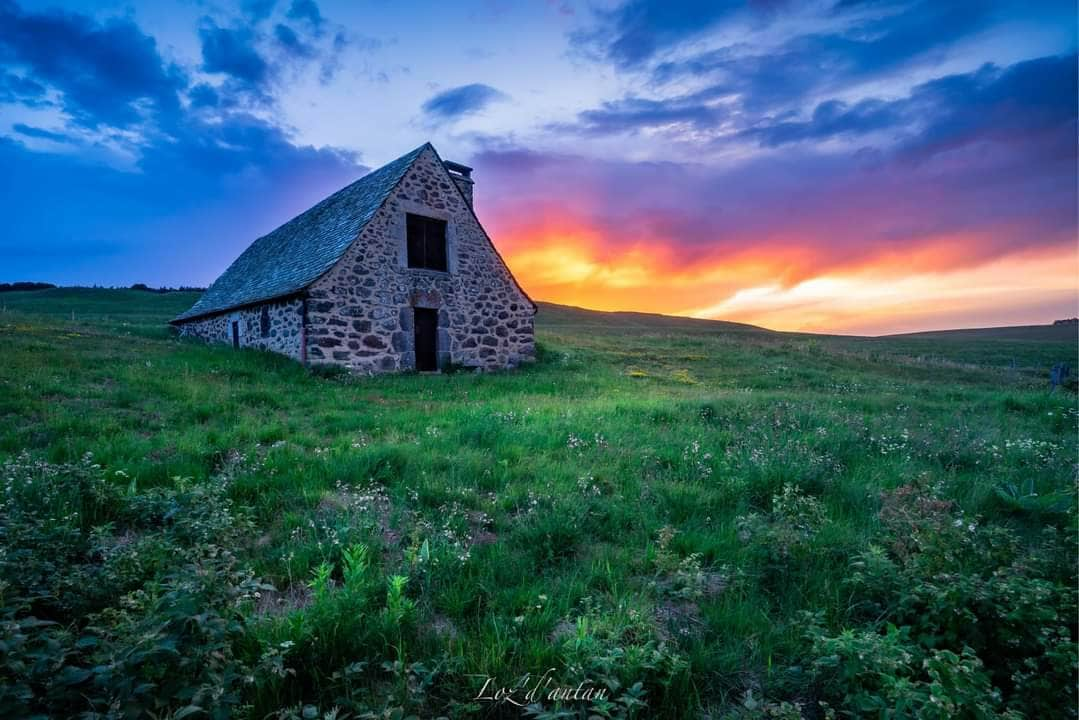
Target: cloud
[
  {"x": 257, "y": 10},
  {"x": 1004, "y": 105},
  {"x": 672, "y": 236},
  {"x": 857, "y": 46},
  {"x": 105, "y": 72},
  {"x": 291, "y": 42},
  {"x": 463, "y": 100},
  {"x": 203, "y": 96},
  {"x": 231, "y": 51},
  {"x": 252, "y": 60},
  {"x": 36, "y": 132},
  {"x": 199, "y": 197},
  {"x": 200, "y": 182},
  {"x": 633, "y": 114},
  {"x": 17, "y": 89},
  {"x": 306, "y": 10},
  {"x": 830, "y": 119},
  {"x": 976, "y": 168},
  {"x": 636, "y": 30},
  {"x": 949, "y": 111},
  {"x": 759, "y": 87}
]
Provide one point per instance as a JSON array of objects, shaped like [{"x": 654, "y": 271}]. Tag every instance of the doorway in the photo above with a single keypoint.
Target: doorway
[
  {"x": 426, "y": 324},
  {"x": 235, "y": 334}
]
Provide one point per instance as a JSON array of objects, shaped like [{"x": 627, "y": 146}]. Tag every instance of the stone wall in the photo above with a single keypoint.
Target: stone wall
[
  {"x": 360, "y": 314},
  {"x": 284, "y": 334}
]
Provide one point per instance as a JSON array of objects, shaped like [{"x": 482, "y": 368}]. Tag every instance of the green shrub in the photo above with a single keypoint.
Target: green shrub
[{"x": 979, "y": 622}]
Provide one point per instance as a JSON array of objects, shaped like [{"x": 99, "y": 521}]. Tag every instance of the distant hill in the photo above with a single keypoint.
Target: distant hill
[
  {"x": 553, "y": 316},
  {"x": 1063, "y": 332},
  {"x": 158, "y": 307}
]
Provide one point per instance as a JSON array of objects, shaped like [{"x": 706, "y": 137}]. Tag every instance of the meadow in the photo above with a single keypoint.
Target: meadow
[{"x": 692, "y": 518}]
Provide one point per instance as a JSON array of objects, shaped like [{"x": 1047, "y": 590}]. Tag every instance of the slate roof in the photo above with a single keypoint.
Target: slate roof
[{"x": 296, "y": 254}]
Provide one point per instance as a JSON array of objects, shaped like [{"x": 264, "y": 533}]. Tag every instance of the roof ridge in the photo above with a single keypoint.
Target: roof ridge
[{"x": 290, "y": 257}]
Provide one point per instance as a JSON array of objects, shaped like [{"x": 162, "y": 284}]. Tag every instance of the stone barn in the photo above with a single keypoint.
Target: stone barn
[{"x": 394, "y": 272}]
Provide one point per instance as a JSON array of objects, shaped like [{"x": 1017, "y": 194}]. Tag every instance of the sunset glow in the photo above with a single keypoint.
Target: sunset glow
[
  {"x": 876, "y": 299},
  {"x": 930, "y": 286}
]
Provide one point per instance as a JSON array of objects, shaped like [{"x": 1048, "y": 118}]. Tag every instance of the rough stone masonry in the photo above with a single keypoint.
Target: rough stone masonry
[{"x": 360, "y": 313}]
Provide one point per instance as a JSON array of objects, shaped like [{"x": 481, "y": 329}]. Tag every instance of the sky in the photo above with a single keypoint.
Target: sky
[{"x": 847, "y": 166}]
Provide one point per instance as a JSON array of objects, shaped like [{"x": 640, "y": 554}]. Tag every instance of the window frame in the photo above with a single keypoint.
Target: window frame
[{"x": 425, "y": 224}]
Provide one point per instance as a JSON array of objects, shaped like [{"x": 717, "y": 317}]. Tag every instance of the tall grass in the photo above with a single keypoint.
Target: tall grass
[{"x": 655, "y": 506}]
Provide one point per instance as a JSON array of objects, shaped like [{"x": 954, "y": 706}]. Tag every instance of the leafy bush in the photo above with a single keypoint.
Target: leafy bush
[
  {"x": 619, "y": 649},
  {"x": 960, "y": 619},
  {"x": 118, "y": 603},
  {"x": 787, "y": 530}
]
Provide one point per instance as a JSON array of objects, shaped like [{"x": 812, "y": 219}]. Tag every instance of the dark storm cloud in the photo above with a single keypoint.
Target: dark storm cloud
[
  {"x": 100, "y": 69},
  {"x": 463, "y": 100}
]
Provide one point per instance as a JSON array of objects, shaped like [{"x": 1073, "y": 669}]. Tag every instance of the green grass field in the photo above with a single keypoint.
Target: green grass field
[{"x": 701, "y": 519}]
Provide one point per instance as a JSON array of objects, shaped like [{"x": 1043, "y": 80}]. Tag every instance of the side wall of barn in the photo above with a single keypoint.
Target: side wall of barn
[
  {"x": 275, "y": 326},
  {"x": 360, "y": 314}
]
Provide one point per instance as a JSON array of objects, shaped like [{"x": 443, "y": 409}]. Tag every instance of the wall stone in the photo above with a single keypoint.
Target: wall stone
[
  {"x": 360, "y": 314},
  {"x": 285, "y": 333}
]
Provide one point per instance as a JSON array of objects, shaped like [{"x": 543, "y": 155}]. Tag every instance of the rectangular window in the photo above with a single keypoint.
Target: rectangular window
[
  {"x": 264, "y": 321},
  {"x": 426, "y": 242}
]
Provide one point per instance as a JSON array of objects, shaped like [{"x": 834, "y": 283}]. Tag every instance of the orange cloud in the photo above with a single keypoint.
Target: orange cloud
[{"x": 781, "y": 283}]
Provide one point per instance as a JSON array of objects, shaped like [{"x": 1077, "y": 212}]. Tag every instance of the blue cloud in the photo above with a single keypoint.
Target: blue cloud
[
  {"x": 17, "y": 89},
  {"x": 893, "y": 37},
  {"x": 101, "y": 70},
  {"x": 257, "y": 10},
  {"x": 199, "y": 197},
  {"x": 232, "y": 51},
  {"x": 635, "y": 31},
  {"x": 463, "y": 100},
  {"x": 1005, "y": 105},
  {"x": 830, "y": 119},
  {"x": 306, "y": 10},
  {"x": 632, "y": 114},
  {"x": 206, "y": 163},
  {"x": 203, "y": 96},
  {"x": 1030, "y": 96},
  {"x": 288, "y": 39},
  {"x": 36, "y": 132}
]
